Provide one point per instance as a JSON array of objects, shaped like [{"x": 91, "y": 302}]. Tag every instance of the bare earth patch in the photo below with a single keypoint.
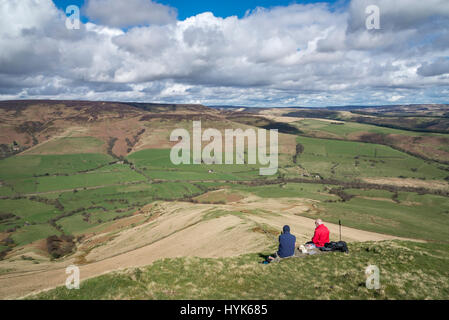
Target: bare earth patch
[
  {"x": 416, "y": 183},
  {"x": 219, "y": 197}
]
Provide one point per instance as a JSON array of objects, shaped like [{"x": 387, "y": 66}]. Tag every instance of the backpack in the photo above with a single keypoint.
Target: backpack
[{"x": 340, "y": 246}]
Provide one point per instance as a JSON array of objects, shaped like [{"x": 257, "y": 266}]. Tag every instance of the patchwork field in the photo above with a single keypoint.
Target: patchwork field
[{"x": 355, "y": 160}]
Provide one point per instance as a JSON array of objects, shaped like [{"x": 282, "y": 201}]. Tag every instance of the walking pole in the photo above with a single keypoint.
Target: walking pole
[{"x": 339, "y": 222}]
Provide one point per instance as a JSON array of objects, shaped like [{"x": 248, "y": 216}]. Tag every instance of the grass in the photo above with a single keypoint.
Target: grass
[
  {"x": 5, "y": 191},
  {"x": 289, "y": 190},
  {"x": 18, "y": 167},
  {"x": 141, "y": 194},
  {"x": 415, "y": 216},
  {"x": 354, "y": 160},
  {"x": 423, "y": 219},
  {"x": 411, "y": 271},
  {"x": 401, "y": 139},
  {"x": 27, "y": 211},
  {"x": 75, "y": 224},
  {"x": 117, "y": 191},
  {"x": 157, "y": 164},
  {"x": 215, "y": 214},
  {"x": 342, "y": 131},
  {"x": 87, "y": 180},
  {"x": 30, "y": 234},
  {"x": 5, "y": 271},
  {"x": 84, "y": 180},
  {"x": 70, "y": 145}
]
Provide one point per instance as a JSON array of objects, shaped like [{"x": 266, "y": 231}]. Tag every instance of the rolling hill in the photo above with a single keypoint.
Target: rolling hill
[{"x": 91, "y": 184}]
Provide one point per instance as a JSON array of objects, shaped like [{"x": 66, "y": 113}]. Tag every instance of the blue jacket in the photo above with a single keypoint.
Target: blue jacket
[{"x": 287, "y": 243}]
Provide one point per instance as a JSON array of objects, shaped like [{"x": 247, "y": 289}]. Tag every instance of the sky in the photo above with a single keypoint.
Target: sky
[
  {"x": 223, "y": 9},
  {"x": 245, "y": 53}
]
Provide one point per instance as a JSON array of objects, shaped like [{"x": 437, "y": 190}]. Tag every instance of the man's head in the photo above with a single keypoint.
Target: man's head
[
  {"x": 286, "y": 229},
  {"x": 318, "y": 223}
]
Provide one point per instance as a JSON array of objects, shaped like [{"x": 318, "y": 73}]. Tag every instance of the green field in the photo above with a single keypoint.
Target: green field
[
  {"x": 93, "y": 179},
  {"x": 426, "y": 145},
  {"x": 6, "y": 191},
  {"x": 354, "y": 160},
  {"x": 28, "y": 166},
  {"x": 156, "y": 164},
  {"x": 43, "y": 174},
  {"x": 30, "y": 234},
  {"x": 27, "y": 211},
  {"x": 425, "y": 219},
  {"x": 415, "y": 216},
  {"x": 290, "y": 190}
]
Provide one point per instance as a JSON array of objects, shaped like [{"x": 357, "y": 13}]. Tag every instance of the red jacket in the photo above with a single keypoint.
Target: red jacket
[{"x": 321, "y": 236}]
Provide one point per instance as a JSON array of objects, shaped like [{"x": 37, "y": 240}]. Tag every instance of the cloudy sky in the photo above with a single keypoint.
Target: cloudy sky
[{"x": 246, "y": 52}]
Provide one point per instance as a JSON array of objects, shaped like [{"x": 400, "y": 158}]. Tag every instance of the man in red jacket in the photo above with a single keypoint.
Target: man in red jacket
[{"x": 321, "y": 236}]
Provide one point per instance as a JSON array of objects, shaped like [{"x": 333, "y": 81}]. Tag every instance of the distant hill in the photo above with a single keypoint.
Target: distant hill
[{"x": 26, "y": 124}]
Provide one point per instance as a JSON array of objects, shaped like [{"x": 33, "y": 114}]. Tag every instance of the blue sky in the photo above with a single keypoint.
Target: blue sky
[{"x": 220, "y": 8}]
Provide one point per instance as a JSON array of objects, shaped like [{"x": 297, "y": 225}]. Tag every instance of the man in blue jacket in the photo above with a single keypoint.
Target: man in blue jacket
[{"x": 287, "y": 243}]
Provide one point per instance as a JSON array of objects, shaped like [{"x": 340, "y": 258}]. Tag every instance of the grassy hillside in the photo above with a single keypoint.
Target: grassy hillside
[
  {"x": 355, "y": 160},
  {"x": 156, "y": 163},
  {"x": 405, "y": 214},
  {"x": 69, "y": 145},
  {"x": 407, "y": 271},
  {"x": 425, "y": 145},
  {"x": 18, "y": 167}
]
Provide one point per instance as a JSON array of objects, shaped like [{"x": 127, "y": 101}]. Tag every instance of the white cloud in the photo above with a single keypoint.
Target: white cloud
[
  {"x": 295, "y": 55},
  {"x": 395, "y": 98}
]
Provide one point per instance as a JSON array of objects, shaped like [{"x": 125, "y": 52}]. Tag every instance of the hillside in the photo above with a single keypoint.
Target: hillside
[
  {"x": 92, "y": 184},
  {"x": 420, "y": 130},
  {"x": 169, "y": 230},
  {"x": 341, "y": 277},
  {"x": 37, "y": 127}
]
